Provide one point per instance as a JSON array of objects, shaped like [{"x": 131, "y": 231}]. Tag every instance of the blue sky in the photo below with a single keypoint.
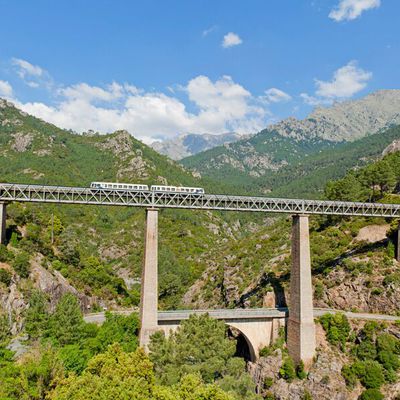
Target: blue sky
[{"x": 162, "y": 68}]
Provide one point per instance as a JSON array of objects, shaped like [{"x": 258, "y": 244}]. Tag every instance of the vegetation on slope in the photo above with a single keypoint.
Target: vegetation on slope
[
  {"x": 67, "y": 358},
  {"x": 98, "y": 249},
  {"x": 309, "y": 167},
  {"x": 349, "y": 272}
]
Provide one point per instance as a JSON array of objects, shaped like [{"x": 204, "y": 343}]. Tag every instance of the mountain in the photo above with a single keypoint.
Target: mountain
[
  {"x": 190, "y": 144},
  {"x": 96, "y": 252},
  {"x": 270, "y": 158}
]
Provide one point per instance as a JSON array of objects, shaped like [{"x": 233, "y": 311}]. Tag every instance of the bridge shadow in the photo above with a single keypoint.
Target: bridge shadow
[
  {"x": 362, "y": 248},
  {"x": 268, "y": 279}
]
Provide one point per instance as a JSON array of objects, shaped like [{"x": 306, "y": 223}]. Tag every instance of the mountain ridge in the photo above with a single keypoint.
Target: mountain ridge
[{"x": 189, "y": 144}]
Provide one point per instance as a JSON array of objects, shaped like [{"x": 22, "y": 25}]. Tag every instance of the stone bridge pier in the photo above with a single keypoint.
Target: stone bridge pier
[
  {"x": 3, "y": 216},
  {"x": 398, "y": 244},
  {"x": 149, "y": 283}
]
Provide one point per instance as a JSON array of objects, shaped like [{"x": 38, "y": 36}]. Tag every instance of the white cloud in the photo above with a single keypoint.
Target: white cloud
[
  {"x": 231, "y": 39},
  {"x": 82, "y": 91},
  {"x": 346, "y": 82},
  {"x": 207, "y": 31},
  {"x": 5, "y": 89},
  {"x": 314, "y": 101},
  {"x": 274, "y": 95},
  {"x": 26, "y": 68},
  {"x": 352, "y": 9},
  {"x": 220, "y": 106}
]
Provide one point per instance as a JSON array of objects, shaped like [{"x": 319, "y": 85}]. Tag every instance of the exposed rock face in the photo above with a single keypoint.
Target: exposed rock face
[
  {"x": 130, "y": 162},
  {"x": 14, "y": 305},
  {"x": 22, "y": 141},
  {"x": 324, "y": 380},
  {"x": 187, "y": 145},
  {"x": 55, "y": 285},
  {"x": 372, "y": 233},
  {"x": 347, "y": 121},
  {"x": 392, "y": 148}
]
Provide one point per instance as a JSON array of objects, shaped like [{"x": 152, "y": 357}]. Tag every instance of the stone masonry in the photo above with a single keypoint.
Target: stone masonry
[{"x": 301, "y": 328}]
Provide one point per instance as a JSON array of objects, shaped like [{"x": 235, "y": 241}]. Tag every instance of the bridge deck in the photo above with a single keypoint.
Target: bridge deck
[
  {"x": 79, "y": 195},
  {"x": 165, "y": 317}
]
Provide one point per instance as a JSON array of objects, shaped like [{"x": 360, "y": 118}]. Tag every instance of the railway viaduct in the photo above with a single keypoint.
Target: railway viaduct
[{"x": 259, "y": 328}]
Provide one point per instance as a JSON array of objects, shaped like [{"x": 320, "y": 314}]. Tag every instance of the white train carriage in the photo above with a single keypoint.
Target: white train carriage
[
  {"x": 177, "y": 189},
  {"x": 118, "y": 186}
]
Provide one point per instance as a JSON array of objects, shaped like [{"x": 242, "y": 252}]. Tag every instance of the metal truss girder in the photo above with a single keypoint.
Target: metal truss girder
[{"x": 77, "y": 195}]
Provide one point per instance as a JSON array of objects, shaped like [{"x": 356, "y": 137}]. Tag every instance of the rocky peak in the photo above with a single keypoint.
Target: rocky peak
[{"x": 345, "y": 121}]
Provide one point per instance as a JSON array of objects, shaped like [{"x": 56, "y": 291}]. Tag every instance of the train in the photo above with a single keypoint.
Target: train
[{"x": 141, "y": 187}]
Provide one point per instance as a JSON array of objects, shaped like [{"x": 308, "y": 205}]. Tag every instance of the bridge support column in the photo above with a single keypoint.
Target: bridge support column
[
  {"x": 149, "y": 284},
  {"x": 3, "y": 216},
  {"x": 398, "y": 244},
  {"x": 301, "y": 328}
]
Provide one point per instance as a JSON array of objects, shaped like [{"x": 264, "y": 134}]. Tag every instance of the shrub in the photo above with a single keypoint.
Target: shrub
[
  {"x": 287, "y": 371},
  {"x": 349, "y": 376},
  {"x": 307, "y": 395},
  {"x": 371, "y": 375},
  {"x": 5, "y": 276},
  {"x": 371, "y": 394},
  {"x": 337, "y": 328},
  {"x": 268, "y": 382},
  {"x": 4, "y": 253},
  {"x": 265, "y": 351},
  {"x": 366, "y": 350},
  {"x": 21, "y": 264},
  {"x": 301, "y": 374}
]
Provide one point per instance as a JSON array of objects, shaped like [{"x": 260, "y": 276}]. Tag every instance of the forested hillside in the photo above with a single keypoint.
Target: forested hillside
[{"x": 97, "y": 250}]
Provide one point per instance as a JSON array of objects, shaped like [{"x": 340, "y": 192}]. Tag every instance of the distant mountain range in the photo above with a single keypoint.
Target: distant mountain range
[
  {"x": 256, "y": 161},
  {"x": 190, "y": 144}
]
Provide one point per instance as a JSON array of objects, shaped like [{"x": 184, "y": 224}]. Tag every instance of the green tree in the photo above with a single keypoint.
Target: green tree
[
  {"x": 200, "y": 346},
  {"x": 21, "y": 264},
  {"x": 66, "y": 323},
  {"x": 116, "y": 329},
  {"x": 120, "y": 375},
  {"x": 37, "y": 315},
  {"x": 32, "y": 378}
]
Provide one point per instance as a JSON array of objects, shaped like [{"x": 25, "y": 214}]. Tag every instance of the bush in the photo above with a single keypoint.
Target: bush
[
  {"x": 265, "y": 351},
  {"x": 4, "y": 253},
  {"x": 307, "y": 395},
  {"x": 5, "y": 276},
  {"x": 337, "y": 328},
  {"x": 371, "y": 375},
  {"x": 349, "y": 376},
  {"x": 268, "y": 382},
  {"x": 371, "y": 394},
  {"x": 21, "y": 264},
  {"x": 301, "y": 374},
  {"x": 366, "y": 350},
  {"x": 287, "y": 371}
]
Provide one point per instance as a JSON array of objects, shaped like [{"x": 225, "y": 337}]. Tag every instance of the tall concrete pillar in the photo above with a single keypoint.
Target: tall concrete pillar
[
  {"x": 301, "y": 328},
  {"x": 3, "y": 216},
  {"x": 398, "y": 244},
  {"x": 149, "y": 288}
]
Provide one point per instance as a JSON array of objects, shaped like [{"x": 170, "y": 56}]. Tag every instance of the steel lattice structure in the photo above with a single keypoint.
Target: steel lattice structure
[{"x": 77, "y": 195}]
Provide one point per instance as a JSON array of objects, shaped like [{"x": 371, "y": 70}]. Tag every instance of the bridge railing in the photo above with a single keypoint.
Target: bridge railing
[{"x": 79, "y": 195}]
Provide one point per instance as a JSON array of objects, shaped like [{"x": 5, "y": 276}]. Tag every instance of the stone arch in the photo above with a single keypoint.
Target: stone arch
[{"x": 252, "y": 351}]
